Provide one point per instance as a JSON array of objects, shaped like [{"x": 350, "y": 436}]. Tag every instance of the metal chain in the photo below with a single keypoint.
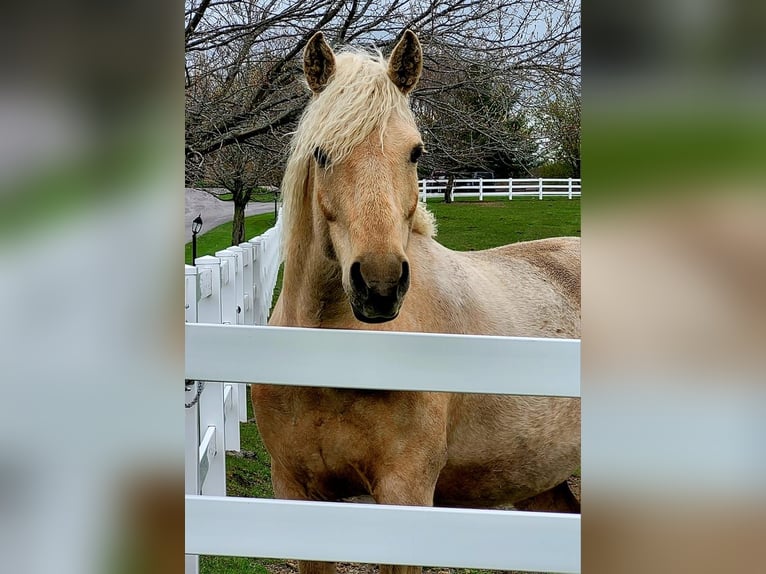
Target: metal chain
[{"x": 200, "y": 388}]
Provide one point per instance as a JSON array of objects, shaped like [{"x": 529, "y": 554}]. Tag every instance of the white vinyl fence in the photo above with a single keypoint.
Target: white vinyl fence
[
  {"x": 234, "y": 287},
  {"x": 506, "y": 188},
  {"x": 229, "y": 352}
]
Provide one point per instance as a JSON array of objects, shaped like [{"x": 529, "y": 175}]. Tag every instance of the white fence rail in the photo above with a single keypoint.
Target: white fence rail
[
  {"x": 390, "y": 361},
  {"x": 506, "y": 188},
  {"x": 231, "y": 351},
  {"x": 334, "y": 532}
]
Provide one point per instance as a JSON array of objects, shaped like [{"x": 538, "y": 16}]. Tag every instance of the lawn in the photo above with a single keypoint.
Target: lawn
[
  {"x": 469, "y": 226},
  {"x": 462, "y": 225},
  {"x": 220, "y": 237}
]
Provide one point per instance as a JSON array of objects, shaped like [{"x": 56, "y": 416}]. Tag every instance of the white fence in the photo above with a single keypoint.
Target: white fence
[
  {"x": 510, "y": 188},
  {"x": 234, "y": 352},
  {"x": 234, "y": 287}
]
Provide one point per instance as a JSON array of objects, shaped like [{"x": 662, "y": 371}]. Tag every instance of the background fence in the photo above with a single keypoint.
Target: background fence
[
  {"x": 232, "y": 292},
  {"x": 510, "y": 188}
]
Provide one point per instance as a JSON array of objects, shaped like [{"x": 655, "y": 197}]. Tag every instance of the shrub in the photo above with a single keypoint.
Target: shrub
[{"x": 554, "y": 170}]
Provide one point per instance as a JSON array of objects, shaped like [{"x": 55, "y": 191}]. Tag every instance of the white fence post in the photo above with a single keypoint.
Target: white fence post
[
  {"x": 239, "y": 284},
  {"x": 275, "y": 240},
  {"x": 569, "y": 187},
  {"x": 191, "y": 285},
  {"x": 209, "y": 306},
  {"x": 232, "y": 308},
  {"x": 481, "y": 190},
  {"x": 510, "y": 188},
  {"x": 540, "y": 186},
  {"x": 231, "y": 416},
  {"x": 424, "y": 191},
  {"x": 268, "y": 252},
  {"x": 211, "y": 415},
  {"x": 191, "y": 473},
  {"x": 247, "y": 283},
  {"x": 248, "y": 314},
  {"x": 228, "y": 287},
  {"x": 191, "y": 564},
  {"x": 191, "y": 414},
  {"x": 258, "y": 276},
  {"x": 212, "y": 419}
]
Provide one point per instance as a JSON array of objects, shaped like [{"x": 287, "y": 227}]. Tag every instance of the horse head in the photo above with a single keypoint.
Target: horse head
[{"x": 364, "y": 171}]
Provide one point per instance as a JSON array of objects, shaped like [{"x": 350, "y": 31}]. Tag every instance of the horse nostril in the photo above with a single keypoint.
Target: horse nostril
[
  {"x": 357, "y": 281},
  {"x": 404, "y": 280}
]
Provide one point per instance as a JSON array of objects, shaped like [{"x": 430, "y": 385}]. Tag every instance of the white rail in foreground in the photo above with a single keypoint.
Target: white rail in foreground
[
  {"x": 505, "y": 540},
  {"x": 379, "y": 360},
  {"x": 447, "y": 537}
]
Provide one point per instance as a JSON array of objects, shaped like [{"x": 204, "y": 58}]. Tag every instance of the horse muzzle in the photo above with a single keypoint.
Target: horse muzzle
[{"x": 378, "y": 289}]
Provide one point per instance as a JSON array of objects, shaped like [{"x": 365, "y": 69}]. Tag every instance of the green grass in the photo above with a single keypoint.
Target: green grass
[
  {"x": 220, "y": 237},
  {"x": 464, "y": 225},
  {"x": 262, "y": 195},
  {"x": 461, "y": 225},
  {"x": 231, "y": 565},
  {"x": 470, "y": 226}
]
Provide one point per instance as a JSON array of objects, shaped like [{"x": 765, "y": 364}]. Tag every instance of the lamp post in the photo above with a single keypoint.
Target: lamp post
[
  {"x": 276, "y": 197},
  {"x": 196, "y": 226}
]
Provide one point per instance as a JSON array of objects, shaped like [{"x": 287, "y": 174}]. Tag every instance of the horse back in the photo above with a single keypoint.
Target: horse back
[{"x": 557, "y": 259}]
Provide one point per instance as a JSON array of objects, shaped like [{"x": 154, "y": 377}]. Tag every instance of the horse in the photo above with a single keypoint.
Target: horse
[{"x": 359, "y": 253}]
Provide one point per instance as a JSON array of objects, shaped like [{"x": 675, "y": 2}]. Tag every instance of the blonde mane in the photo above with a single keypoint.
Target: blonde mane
[{"x": 359, "y": 98}]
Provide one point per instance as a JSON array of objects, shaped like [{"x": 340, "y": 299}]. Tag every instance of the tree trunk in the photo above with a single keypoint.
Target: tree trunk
[
  {"x": 240, "y": 197},
  {"x": 238, "y": 225}
]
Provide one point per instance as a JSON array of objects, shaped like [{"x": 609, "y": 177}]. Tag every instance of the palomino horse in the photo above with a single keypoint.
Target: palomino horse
[{"x": 359, "y": 254}]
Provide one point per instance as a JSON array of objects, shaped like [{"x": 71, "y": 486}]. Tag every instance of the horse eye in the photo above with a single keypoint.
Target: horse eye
[
  {"x": 416, "y": 152},
  {"x": 321, "y": 157}
]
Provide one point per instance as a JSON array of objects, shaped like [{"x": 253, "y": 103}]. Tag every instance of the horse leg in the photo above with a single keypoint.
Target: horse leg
[
  {"x": 415, "y": 492},
  {"x": 557, "y": 499},
  {"x": 287, "y": 488}
]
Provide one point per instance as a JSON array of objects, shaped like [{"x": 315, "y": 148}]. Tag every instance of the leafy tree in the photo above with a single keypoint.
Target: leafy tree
[{"x": 560, "y": 125}]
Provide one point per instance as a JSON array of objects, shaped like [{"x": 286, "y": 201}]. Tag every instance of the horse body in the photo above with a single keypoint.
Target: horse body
[
  {"x": 482, "y": 450},
  {"x": 359, "y": 254}
]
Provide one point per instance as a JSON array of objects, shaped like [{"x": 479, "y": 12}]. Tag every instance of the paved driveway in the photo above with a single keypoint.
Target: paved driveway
[{"x": 214, "y": 212}]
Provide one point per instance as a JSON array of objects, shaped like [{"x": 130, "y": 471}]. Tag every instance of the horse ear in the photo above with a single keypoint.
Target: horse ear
[
  {"x": 406, "y": 62},
  {"x": 318, "y": 62}
]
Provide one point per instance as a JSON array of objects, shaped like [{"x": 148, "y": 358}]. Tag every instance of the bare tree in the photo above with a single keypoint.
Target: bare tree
[
  {"x": 485, "y": 61},
  {"x": 234, "y": 168},
  {"x": 468, "y": 129}
]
